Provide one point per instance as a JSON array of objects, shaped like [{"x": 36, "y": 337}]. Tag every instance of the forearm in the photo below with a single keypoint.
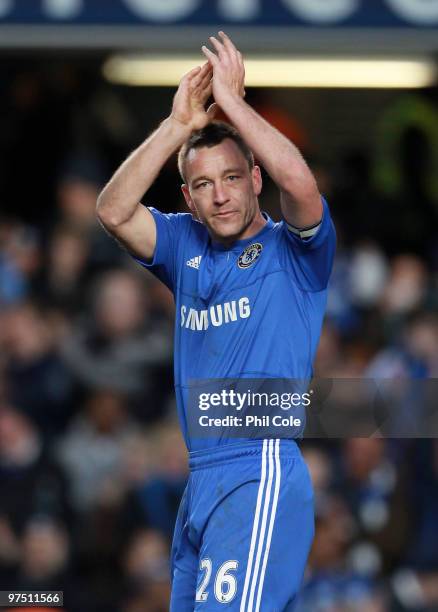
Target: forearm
[
  {"x": 119, "y": 199},
  {"x": 300, "y": 199},
  {"x": 280, "y": 157}
]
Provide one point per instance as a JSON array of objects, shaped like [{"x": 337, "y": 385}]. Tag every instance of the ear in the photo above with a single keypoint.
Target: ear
[
  {"x": 257, "y": 181},
  {"x": 188, "y": 198}
]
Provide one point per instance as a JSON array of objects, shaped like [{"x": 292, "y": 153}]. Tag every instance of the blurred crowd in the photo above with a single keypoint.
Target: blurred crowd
[{"x": 92, "y": 464}]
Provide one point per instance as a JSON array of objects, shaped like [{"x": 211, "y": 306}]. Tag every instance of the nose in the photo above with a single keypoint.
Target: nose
[{"x": 220, "y": 196}]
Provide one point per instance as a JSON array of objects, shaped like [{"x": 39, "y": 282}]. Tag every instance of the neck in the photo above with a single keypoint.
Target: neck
[{"x": 253, "y": 228}]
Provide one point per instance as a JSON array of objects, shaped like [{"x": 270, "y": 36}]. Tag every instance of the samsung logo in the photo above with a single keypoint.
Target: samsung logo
[{"x": 216, "y": 315}]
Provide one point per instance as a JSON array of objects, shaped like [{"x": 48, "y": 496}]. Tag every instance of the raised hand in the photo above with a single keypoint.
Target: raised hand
[
  {"x": 189, "y": 102},
  {"x": 228, "y": 68}
]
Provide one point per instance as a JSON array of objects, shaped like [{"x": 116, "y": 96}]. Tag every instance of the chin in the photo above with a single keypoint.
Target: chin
[{"x": 228, "y": 231}]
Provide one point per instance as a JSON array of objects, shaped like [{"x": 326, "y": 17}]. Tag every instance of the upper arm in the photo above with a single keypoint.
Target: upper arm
[
  {"x": 171, "y": 230},
  {"x": 300, "y": 199},
  {"x": 309, "y": 255},
  {"x": 302, "y": 207},
  {"x": 138, "y": 234}
]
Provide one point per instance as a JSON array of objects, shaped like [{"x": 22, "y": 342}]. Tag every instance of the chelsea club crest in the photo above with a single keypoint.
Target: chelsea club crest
[{"x": 249, "y": 255}]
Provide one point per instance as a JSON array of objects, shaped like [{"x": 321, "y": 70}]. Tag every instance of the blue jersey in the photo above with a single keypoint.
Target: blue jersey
[{"x": 251, "y": 310}]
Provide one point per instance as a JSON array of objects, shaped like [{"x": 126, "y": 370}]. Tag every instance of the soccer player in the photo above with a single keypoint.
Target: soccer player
[{"x": 250, "y": 298}]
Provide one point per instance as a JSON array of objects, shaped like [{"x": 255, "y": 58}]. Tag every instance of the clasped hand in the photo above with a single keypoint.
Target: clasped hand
[{"x": 222, "y": 76}]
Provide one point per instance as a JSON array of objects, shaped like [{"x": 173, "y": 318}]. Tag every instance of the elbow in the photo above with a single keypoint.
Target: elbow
[
  {"x": 106, "y": 215},
  {"x": 102, "y": 210},
  {"x": 100, "y": 205}
]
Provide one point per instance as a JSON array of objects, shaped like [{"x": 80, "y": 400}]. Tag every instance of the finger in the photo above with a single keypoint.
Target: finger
[
  {"x": 203, "y": 77},
  {"x": 212, "y": 111},
  {"x": 206, "y": 80},
  {"x": 203, "y": 92},
  {"x": 189, "y": 76},
  {"x": 206, "y": 93},
  {"x": 205, "y": 68},
  {"x": 219, "y": 48},
  {"x": 233, "y": 53},
  {"x": 212, "y": 57},
  {"x": 192, "y": 73},
  {"x": 230, "y": 47},
  {"x": 227, "y": 42},
  {"x": 200, "y": 75}
]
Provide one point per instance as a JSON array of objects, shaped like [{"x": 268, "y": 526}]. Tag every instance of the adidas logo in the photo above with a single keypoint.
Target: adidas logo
[{"x": 194, "y": 262}]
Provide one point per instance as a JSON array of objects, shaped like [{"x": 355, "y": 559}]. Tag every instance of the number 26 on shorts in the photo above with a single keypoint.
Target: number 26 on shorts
[{"x": 225, "y": 584}]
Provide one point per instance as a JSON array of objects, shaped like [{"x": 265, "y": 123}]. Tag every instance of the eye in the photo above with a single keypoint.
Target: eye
[
  {"x": 203, "y": 184},
  {"x": 232, "y": 177}
]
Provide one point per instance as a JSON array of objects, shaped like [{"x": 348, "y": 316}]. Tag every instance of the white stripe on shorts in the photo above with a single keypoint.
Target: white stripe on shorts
[
  {"x": 257, "y": 539},
  {"x": 271, "y": 522},
  {"x": 254, "y": 528}
]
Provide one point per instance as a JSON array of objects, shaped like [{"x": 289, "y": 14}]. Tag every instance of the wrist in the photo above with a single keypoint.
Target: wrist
[
  {"x": 176, "y": 129},
  {"x": 229, "y": 99}
]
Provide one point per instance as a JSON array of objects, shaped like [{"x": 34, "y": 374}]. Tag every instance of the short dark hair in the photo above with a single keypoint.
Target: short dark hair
[{"x": 209, "y": 136}]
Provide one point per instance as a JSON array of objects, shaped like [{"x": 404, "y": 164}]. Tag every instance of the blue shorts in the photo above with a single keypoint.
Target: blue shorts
[{"x": 244, "y": 529}]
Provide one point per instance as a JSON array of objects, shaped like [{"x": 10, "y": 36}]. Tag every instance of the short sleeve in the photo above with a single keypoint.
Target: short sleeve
[
  {"x": 310, "y": 259},
  {"x": 162, "y": 264}
]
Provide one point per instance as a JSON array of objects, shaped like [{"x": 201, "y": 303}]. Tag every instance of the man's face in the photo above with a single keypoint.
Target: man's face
[{"x": 221, "y": 190}]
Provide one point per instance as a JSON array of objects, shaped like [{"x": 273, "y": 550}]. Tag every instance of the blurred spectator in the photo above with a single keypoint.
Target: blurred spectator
[
  {"x": 146, "y": 573},
  {"x": 154, "y": 500},
  {"x": 79, "y": 184},
  {"x": 31, "y": 481},
  {"x": 415, "y": 584},
  {"x": 331, "y": 585},
  {"x": 329, "y": 354},
  {"x": 413, "y": 591},
  {"x": 38, "y": 381},
  {"x": 377, "y": 499},
  {"x": 407, "y": 286},
  {"x": 414, "y": 352},
  {"x": 91, "y": 450},
  {"x": 359, "y": 277},
  {"x": 138, "y": 460},
  {"x": 422, "y": 341},
  {"x": 120, "y": 347},
  {"x": 9, "y": 552},
  {"x": 368, "y": 274},
  {"x": 63, "y": 279},
  {"x": 340, "y": 309},
  {"x": 321, "y": 468},
  {"x": 20, "y": 260},
  {"x": 422, "y": 552},
  {"x": 45, "y": 563}
]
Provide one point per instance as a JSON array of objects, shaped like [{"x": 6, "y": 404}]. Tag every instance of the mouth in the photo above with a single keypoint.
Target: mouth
[{"x": 226, "y": 214}]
